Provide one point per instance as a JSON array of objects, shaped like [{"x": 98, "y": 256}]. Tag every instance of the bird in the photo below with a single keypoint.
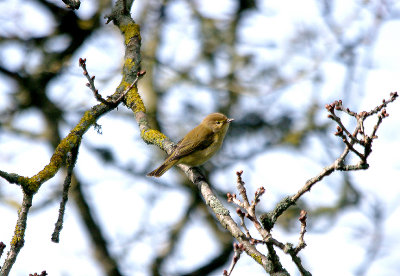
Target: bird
[{"x": 198, "y": 145}]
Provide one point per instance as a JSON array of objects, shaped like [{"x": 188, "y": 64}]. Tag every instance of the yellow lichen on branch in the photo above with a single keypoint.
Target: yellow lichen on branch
[
  {"x": 73, "y": 139},
  {"x": 18, "y": 235},
  {"x": 132, "y": 99},
  {"x": 257, "y": 258},
  {"x": 129, "y": 31},
  {"x": 128, "y": 64},
  {"x": 56, "y": 162},
  {"x": 154, "y": 137}
]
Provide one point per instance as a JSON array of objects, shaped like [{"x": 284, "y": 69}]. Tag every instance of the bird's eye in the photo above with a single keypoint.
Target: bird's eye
[{"x": 218, "y": 122}]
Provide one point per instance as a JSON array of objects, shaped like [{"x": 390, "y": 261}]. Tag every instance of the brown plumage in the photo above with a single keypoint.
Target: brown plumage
[{"x": 199, "y": 145}]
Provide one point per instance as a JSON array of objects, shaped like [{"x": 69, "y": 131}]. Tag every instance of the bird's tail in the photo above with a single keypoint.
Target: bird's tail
[{"x": 163, "y": 168}]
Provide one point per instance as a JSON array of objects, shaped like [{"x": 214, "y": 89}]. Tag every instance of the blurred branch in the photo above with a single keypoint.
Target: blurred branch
[
  {"x": 72, "y": 4},
  {"x": 44, "y": 273},
  {"x": 101, "y": 252},
  {"x": 374, "y": 237},
  {"x": 173, "y": 238},
  {"x": 2, "y": 246},
  {"x": 212, "y": 264}
]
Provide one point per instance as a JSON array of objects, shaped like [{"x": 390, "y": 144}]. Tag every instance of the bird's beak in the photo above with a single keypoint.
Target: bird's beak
[{"x": 229, "y": 120}]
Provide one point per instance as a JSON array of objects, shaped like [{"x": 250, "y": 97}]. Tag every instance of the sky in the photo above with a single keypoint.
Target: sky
[{"x": 73, "y": 255}]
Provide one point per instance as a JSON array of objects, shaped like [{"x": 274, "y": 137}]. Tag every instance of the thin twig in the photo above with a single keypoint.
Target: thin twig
[
  {"x": 238, "y": 250},
  {"x": 71, "y": 161},
  {"x": 249, "y": 208},
  {"x": 242, "y": 189},
  {"x": 233, "y": 198},
  {"x": 339, "y": 163},
  {"x": 242, "y": 223},
  {"x": 303, "y": 221},
  {"x": 334, "y": 117},
  {"x": 90, "y": 84},
  {"x": 119, "y": 99}
]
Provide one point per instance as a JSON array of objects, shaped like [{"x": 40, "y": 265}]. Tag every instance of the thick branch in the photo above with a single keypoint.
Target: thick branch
[{"x": 17, "y": 241}]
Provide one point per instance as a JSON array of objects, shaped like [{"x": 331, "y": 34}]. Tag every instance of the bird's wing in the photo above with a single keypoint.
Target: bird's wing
[{"x": 192, "y": 143}]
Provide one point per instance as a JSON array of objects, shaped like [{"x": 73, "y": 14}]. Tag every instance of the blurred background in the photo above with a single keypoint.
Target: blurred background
[{"x": 271, "y": 65}]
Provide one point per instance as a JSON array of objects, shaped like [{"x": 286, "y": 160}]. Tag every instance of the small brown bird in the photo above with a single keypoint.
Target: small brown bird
[{"x": 199, "y": 145}]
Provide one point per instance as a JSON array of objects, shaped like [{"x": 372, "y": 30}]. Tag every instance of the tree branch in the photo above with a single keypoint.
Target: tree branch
[
  {"x": 71, "y": 161},
  {"x": 268, "y": 219},
  {"x": 17, "y": 241}
]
